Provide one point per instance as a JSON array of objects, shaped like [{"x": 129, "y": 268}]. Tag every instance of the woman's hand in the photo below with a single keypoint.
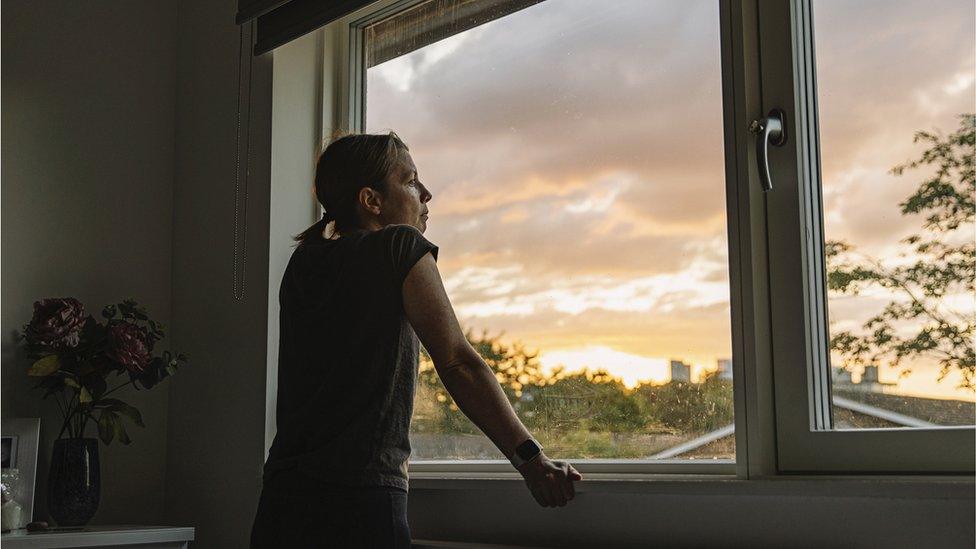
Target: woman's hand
[{"x": 551, "y": 482}]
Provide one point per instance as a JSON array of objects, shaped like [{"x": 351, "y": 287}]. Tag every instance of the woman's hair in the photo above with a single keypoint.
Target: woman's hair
[{"x": 348, "y": 164}]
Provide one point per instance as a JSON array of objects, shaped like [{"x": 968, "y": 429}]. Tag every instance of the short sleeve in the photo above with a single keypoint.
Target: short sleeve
[{"x": 407, "y": 246}]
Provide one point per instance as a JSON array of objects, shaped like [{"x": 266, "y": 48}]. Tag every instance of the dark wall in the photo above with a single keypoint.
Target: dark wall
[
  {"x": 217, "y": 406},
  {"x": 88, "y": 92}
]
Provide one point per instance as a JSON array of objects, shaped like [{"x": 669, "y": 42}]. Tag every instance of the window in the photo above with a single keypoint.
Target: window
[
  {"x": 857, "y": 230},
  {"x": 599, "y": 200},
  {"x": 576, "y": 159},
  {"x": 900, "y": 287}
]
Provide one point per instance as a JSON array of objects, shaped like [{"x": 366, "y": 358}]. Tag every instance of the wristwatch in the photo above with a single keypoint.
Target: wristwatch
[{"x": 527, "y": 451}]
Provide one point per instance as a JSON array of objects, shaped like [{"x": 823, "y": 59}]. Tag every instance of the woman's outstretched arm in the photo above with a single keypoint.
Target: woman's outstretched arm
[
  {"x": 472, "y": 383},
  {"x": 462, "y": 370}
]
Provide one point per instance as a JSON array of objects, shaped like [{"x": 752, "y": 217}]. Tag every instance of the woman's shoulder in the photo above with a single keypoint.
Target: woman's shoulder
[
  {"x": 398, "y": 228},
  {"x": 389, "y": 237}
]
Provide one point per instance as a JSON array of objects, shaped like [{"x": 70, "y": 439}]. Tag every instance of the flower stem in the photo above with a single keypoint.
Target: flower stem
[
  {"x": 113, "y": 389},
  {"x": 69, "y": 414},
  {"x": 57, "y": 399}
]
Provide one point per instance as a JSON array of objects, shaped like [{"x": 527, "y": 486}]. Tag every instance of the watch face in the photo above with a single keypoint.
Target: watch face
[{"x": 527, "y": 449}]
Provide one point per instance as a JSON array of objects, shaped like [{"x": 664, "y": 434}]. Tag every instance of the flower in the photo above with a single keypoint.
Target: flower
[
  {"x": 57, "y": 323},
  {"x": 128, "y": 346}
]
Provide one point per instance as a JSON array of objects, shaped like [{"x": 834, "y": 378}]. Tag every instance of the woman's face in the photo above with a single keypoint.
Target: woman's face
[{"x": 405, "y": 201}]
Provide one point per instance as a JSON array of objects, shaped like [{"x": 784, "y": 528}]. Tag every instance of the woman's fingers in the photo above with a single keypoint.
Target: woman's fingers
[
  {"x": 574, "y": 474},
  {"x": 552, "y": 499},
  {"x": 538, "y": 495},
  {"x": 558, "y": 478},
  {"x": 566, "y": 484},
  {"x": 541, "y": 496},
  {"x": 552, "y": 486}
]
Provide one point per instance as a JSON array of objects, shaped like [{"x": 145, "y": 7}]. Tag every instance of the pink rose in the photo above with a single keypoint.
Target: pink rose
[
  {"x": 128, "y": 346},
  {"x": 57, "y": 322}
]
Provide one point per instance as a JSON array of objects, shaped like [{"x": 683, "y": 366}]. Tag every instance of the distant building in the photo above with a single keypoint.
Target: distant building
[
  {"x": 725, "y": 368},
  {"x": 841, "y": 377},
  {"x": 680, "y": 371},
  {"x": 870, "y": 375},
  {"x": 869, "y": 383}
]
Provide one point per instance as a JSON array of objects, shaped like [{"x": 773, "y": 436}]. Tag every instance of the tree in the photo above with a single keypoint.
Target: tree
[
  {"x": 515, "y": 368},
  {"x": 920, "y": 321},
  {"x": 591, "y": 401},
  {"x": 689, "y": 407}
]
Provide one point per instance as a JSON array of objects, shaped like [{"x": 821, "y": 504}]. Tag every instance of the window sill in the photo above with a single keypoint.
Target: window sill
[
  {"x": 652, "y": 468},
  {"x": 921, "y": 487}
]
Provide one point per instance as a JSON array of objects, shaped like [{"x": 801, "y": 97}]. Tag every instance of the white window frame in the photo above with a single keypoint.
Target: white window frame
[
  {"x": 774, "y": 406},
  {"x": 796, "y": 266}
]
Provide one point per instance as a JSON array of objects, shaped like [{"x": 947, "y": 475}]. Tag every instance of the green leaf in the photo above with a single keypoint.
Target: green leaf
[
  {"x": 70, "y": 382},
  {"x": 106, "y": 427},
  {"x": 132, "y": 413},
  {"x": 45, "y": 366},
  {"x": 84, "y": 396},
  {"x": 120, "y": 431},
  {"x": 96, "y": 385}
]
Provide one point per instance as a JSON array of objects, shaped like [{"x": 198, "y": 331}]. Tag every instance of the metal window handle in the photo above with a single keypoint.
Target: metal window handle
[{"x": 769, "y": 130}]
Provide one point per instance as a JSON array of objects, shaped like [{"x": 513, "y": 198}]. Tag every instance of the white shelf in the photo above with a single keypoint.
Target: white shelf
[{"x": 160, "y": 537}]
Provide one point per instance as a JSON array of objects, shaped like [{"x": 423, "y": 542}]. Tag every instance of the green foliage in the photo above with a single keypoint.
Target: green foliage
[
  {"x": 583, "y": 444},
  {"x": 944, "y": 264},
  {"x": 515, "y": 369},
  {"x": 689, "y": 407},
  {"x": 582, "y": 412},
  {"x": 587, "y": 403}
]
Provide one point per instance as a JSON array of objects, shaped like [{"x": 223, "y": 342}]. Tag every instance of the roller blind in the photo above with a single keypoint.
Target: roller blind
[
  {"x": 431, "y": 21},
  {"x": 249, "y": 9},
  {"x": 281, "y": 21}
]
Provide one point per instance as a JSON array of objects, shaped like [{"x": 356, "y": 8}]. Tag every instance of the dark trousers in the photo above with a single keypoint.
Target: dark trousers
[{"x": 297, "y": 511}]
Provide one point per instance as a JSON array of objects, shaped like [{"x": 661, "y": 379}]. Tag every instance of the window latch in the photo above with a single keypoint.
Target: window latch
[{"x": 769, "y": 131}]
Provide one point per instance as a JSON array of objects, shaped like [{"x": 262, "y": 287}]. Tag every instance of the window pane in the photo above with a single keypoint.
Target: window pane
[
  {"x": 575, "y": 155},
  {"x": 899, "y": 235}
]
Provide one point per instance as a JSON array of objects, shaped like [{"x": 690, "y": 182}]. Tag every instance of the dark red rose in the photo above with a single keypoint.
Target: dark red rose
[
  {"x": 127, "y": 346},
  {"x": 57, "y": 322}
]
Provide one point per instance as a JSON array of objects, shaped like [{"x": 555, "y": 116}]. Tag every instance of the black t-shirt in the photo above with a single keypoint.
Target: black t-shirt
[{"x": 347, "y": 359}]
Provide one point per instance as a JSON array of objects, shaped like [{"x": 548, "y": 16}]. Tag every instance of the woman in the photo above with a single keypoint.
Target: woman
[{"x": 353, "y": 305}]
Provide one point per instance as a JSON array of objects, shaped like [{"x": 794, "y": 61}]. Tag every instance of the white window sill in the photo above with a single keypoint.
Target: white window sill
[{"x": 921, "y": 487}]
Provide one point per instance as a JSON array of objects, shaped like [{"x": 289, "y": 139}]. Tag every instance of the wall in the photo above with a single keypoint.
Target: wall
[
  {"x": 217, "y": 408},
  {"x": 296, "y": 127},
  {"x": 697, "y": 512},
  {"x": 88, "y": 92}
]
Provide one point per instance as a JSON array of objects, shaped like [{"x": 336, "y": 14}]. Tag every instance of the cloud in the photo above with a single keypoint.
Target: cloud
[
  {"x": 598, "y": 105},
  {"x": 576, "y": 157}
]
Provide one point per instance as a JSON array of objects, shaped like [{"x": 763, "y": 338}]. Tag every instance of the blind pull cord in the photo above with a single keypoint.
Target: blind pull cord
[{"x": 242, "y": 173}]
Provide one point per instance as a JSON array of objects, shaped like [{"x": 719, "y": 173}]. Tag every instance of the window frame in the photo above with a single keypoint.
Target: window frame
[
  {"x": 770, "y": 400},
  {"x": 801, "y": 367}
]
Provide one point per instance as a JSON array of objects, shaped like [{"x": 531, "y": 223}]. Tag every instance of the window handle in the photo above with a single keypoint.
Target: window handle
[{"x": 769, "y": 130}]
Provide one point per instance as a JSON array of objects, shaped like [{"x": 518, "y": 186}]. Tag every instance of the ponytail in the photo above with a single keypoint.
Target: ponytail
[{"x": 316, "y": 227}]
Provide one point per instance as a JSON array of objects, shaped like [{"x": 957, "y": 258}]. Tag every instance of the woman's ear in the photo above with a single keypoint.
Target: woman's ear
[{"x": 371, "y": 200}]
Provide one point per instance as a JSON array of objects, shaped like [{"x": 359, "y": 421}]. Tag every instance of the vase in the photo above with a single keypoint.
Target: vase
[{"x": 74, "y": 485}]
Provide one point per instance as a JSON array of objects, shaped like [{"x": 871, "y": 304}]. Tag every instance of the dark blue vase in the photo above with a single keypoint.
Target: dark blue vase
[{"x": 75, "y": 483}]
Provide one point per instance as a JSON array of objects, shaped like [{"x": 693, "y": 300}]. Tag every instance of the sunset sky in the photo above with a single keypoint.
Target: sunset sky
[{"x": 576, "y": 162}]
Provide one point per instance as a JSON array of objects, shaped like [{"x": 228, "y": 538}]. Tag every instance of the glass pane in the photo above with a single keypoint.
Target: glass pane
[
  {"x": 896, "y": 103},
  {"x": 575, "y": 155}
]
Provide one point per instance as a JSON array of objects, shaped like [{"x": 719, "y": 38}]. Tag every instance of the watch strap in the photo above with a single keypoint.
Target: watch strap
[{"x": 525, "y": 452}]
